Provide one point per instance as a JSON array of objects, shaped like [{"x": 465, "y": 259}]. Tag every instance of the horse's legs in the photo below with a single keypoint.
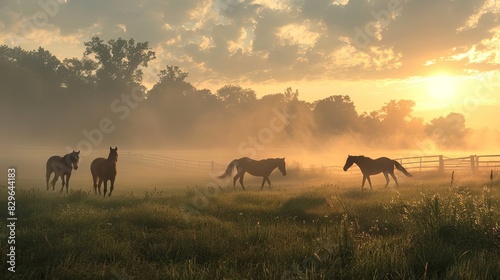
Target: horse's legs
[
  {"x": 264, "y": 179},
  {"x": 54, "y": 181},
  {"x": 386, "y": 179},
  {"x": 94, "y": 182},
  {"x": 63, "y": 182},
  {"x": 99, "y": 185},
  {"x": 105, "y": 187},
  {"x": 67, "y": 181},
  {"x": 112, "y": 186},
  {"x": 363, "y": 183},
  {"x": 241, "y": 180},
  {"x": 234, "y": 180},
  {"x": 369, "y": 182},
  {"x": 268, "y": 181},
  {"x": 395, "y": 179}
]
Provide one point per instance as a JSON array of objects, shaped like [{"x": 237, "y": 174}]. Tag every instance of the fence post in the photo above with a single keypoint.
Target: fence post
[
  {"x": 491, "y": 179},
  {"x": 441, "y": 164},
  {"x": 477, "y": 163},
  {"x": 473, "y": 165}
]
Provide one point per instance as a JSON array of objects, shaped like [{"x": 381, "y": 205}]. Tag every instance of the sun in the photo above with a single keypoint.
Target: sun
[{"x": 441, "y": 88}]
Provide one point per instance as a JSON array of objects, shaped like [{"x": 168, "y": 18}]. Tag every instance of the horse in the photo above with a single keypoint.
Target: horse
[
  {"x": 370, "y": 166},
  {"x": 104, "y": 170},
  {"x": 254, "y": 167},
  {"x": 62, "y": 167}
]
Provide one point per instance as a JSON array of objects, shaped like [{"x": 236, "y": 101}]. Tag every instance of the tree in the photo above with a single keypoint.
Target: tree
[
  {"x": 371, "y": 124},
  {"x": 395, "y": 115},
  {"x": 171, "y": 85},
  {"x": 173, "y": 74},
  {"x": 78, "y": 73},
  {"x": 28, "y": 76},
  {"x": 335, "y": 115},
  {"x": 118, "y": 61},
  {"x": 291, "y": 95},
  {"x": 235, "y": 96},
  {"x": 448, "y": 131}
]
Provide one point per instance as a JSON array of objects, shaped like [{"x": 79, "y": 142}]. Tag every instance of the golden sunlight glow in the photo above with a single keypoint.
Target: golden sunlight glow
[{"x": 441, "y": 88}]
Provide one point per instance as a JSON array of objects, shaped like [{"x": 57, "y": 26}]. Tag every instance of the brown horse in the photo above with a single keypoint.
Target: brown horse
[
  {"x": 62, "y": 167},
  {"x": 256, "y": 168},
  {"x": 370, "y": 166},
  {"x": 104, "y": 170}
]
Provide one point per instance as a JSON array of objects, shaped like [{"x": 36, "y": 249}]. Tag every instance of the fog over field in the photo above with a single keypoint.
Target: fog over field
[
  {"x": 176, "y": 169},
  {"x": 182, "y": 95}
]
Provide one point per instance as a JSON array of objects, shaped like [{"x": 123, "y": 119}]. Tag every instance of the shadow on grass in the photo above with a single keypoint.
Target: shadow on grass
[{"x": 302, "y": 206}]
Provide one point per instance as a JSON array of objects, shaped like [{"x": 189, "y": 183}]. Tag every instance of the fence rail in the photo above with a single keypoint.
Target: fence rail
[
  {"x": 472, "y": 164},
  {"x": 173, "y": 163}
]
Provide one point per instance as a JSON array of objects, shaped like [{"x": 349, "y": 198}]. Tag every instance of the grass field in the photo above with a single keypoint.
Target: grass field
[{"x": 424, "y": 230}]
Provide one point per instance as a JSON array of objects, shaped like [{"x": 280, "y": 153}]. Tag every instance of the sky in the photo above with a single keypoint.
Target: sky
[{"x": 443, "y": 54}]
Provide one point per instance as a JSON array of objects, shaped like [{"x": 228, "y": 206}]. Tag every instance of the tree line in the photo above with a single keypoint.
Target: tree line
[{"x": 47, "y": 100}]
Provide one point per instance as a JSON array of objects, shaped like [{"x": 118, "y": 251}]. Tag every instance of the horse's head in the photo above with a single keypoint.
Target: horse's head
[
  {"x": 281, "y": 166},
  {"x": 113, "y": 154},
  {"x": 74, "y": 159},
  {"x": 349, "y": 162}
]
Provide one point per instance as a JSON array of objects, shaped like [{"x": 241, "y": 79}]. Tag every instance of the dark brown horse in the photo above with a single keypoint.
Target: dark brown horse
[
  {"x": 104, "y": 170},
  {"x": 370, "y": 166},
  {"x": 254, "y": 167},
  {"x": 62, "y": 167}
]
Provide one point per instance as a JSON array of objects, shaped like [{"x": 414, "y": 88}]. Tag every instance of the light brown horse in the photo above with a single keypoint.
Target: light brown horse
[
  {"x": 370, "y": 166},
  {"x": 254, "y": 167},
  {"x": 104, "y": 170},
  {"x": 62, "y": 167}
]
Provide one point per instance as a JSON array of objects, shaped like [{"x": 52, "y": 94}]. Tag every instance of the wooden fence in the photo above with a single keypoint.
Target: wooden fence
[
  {"x": 173, "y": 163},
  {"x": 472, "y": 164}
]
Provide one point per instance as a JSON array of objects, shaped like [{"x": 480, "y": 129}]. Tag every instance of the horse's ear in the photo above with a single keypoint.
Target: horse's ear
[
  {"x": 78, "y": 152},
  {"x": 110, "y": 148},
  {"x": 116, "y": 149}
]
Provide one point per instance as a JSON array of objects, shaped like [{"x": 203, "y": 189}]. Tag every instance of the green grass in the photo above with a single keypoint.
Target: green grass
[{"x": 327, "y": 232}]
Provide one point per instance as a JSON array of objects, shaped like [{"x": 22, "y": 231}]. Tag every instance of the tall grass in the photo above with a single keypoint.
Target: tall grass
[{"x": 313, "y": 233}]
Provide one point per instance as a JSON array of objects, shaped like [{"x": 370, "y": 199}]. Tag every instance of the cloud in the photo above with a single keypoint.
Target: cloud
[{"x": 235, "y": 41}]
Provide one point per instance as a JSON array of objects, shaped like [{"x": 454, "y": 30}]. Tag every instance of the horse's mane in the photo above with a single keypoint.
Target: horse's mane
[
  {"x": 67, "y": 158},
  {"x": 266, "y": 159},
  {"x": 363, "y": 157}
]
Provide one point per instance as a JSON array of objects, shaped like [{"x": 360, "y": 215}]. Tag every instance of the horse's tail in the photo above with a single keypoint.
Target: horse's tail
[
  {"x": 48, "y": 166},
  {"x": 402, "y": 169},
  {"x": 229, "y": 169}
]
